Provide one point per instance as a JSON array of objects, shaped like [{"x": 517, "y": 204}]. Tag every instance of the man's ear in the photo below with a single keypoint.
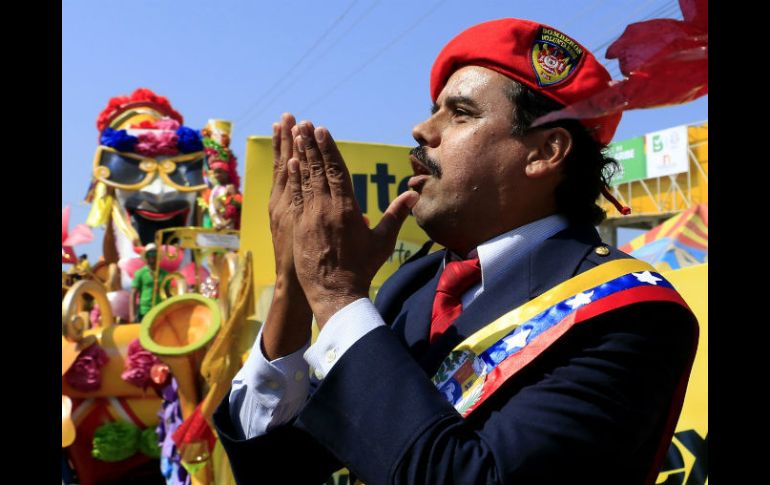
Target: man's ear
[{"x": 550, "y": 147}]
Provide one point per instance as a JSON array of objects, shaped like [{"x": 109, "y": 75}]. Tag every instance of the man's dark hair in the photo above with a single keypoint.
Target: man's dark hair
[{"x": 585, "y": 168}]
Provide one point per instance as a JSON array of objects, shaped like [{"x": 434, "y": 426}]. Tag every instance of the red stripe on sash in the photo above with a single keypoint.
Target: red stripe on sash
[{"x": 513, "y": 364}]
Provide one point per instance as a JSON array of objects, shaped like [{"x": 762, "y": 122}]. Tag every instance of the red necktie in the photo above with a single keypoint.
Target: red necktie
[{"x": 457, "y": 278}]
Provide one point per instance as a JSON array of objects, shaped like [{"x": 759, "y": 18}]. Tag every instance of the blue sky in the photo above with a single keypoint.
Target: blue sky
[{"x": 358, "y": 67}]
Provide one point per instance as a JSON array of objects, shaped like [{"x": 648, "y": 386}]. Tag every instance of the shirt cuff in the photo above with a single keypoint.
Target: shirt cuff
[
  {"x": 266, "y": 393},
  {"x": 342, "y": 330}
]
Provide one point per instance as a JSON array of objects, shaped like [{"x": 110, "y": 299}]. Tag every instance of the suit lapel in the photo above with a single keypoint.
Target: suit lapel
[
  {"x": 413, "y": 324},
  {"x": 561, "y": 257},
  {"x": 405, "y": 301}
]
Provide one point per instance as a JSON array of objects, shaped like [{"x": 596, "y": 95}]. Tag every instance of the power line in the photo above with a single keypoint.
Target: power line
[
  {"x": 286, "y": 86},
  {"x": 626, "y": 22},
  {"x": 581, "y": 14},
  {"x": 375, "y": 56},
  {"x": 313, "y": 45},
  {"x": 665, "y": 11}
]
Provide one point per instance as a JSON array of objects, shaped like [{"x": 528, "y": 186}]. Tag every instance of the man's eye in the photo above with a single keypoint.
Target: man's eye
[{"x": 461, "y": 112}]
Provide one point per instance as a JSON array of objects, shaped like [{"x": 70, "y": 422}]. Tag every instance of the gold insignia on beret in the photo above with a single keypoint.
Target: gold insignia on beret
[{"x": 602, "y": 250}]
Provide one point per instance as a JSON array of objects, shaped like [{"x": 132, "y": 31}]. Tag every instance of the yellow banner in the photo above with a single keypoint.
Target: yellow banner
[
  {"x": 379, "y": 173},
  {"x": 687, "y": 459}
]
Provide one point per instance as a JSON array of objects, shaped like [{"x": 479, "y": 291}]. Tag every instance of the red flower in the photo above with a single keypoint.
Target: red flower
[{"x": 85, "y": 373}]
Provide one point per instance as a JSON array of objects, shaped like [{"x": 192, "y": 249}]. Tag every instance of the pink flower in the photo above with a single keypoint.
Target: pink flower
[
  {"x": 85, "y": 374},
  {"x": 153, "y": 144},
  {"x": 138, "y": 364},
  {"x": 134, "y": 346},
  {"x": 143, "y": 359},
  {"x": 137, "y": 376},
  {"x": 80, "y": 234},
  {"x": 167, "y": 124}
]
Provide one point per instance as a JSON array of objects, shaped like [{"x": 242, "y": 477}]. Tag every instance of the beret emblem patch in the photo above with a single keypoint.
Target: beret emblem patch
[{"x": 554, "y": 56}]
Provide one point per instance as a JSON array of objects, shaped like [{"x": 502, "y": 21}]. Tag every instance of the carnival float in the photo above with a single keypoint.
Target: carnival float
[{"x": 153, "y": 332}]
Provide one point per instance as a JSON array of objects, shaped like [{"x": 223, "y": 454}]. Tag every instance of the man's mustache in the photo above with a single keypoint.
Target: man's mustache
[{"x": 420, "y": 154}]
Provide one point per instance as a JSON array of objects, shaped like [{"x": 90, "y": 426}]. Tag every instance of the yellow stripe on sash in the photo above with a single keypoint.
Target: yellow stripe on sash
[{"x": 491, "y": 333}]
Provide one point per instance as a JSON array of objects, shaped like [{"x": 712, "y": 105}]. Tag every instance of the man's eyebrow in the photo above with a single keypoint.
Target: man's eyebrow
[{"x": 454, "y": 101}]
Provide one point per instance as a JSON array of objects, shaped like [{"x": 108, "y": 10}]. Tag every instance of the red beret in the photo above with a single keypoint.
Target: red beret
[{"x": 536, "y": 55}]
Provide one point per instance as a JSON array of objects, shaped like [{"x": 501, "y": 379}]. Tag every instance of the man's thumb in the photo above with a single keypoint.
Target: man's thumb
[{"x": 395, "y": 215}]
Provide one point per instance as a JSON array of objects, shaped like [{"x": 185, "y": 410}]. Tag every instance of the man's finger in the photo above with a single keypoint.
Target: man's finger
[
  {"x": 315, "y": 162},
  {"x": 337, "y": 175},
  {"x": 295, "y": 187},
  {"x": 304, "y": 170},
  {"x": 287, "y": 123},
  {"x": 282, "y": 150},
  {"x": 279, "y": 175},
  {"x": 276, "y": 142},
  {"x": 394, "y": 216}
]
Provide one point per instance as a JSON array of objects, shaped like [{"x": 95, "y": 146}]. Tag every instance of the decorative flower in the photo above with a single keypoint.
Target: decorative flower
[
  {"x": 154, "y": 144},
  {"x": 138, "y": 376},
  {"x": 142, "y": 95},
  {"x": 115, "y": 441},
  {"x": 159, "y": 374},
  {"x": 216, "y": 151},
  {"x": 143, "y": 125},
  {"x": 170, "y": 137},
  {"x": 138, "y": 365},
  {"x": 80, "y": 234},
  {"x": 120, "y": 140},
  {"x": 231, "y": 211},
  {"x": 85, "y": 373},
  {"x": 188, "y": 140},
  {"x": 167, "y": 124}
]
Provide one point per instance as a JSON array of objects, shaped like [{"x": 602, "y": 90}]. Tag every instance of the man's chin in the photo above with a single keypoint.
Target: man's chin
[{"x": 428, "y": 220}]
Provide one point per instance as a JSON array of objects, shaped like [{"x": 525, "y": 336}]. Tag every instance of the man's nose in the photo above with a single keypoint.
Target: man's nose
[{"x": 426, "y": 134}]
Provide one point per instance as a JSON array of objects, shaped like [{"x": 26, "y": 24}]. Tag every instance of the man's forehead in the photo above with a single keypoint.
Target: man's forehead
[{"x": 474, "y": 83}]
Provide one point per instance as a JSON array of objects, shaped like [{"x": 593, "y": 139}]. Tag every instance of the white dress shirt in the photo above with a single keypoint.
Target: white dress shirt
[{"x": 265, "y": 393}]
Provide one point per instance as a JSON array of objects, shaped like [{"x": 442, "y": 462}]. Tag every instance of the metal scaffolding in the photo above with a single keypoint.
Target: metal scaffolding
[{"x": 654, "y": 200}]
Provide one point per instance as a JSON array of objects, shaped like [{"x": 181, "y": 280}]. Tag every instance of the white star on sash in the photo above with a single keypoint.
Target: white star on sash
[
  {"x": 580, "y": 299},
  {"x": 517, "y": 340},
  {"x": 647, "y": 277}
]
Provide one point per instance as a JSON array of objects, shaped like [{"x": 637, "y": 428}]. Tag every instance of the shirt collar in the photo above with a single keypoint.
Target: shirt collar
[{"x": 498, "y": 254}]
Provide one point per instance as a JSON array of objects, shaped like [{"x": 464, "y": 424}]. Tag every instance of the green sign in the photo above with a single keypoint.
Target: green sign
[{"x": 631, "y": 159}]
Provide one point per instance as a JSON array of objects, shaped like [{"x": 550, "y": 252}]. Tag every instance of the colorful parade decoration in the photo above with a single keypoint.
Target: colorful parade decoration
[
  {"x": 147, "y": 172},
  {"x": 80, "y": 234},
  {"x": 138, "y": 387},
  {"x": 678, "y": 242},
  {"x": 222, "y": 200}
]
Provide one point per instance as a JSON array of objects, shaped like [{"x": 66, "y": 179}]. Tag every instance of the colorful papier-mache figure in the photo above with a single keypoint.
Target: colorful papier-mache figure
[
  {"x": 222, "y": 200},
  {"x": 147, "y": 172}
]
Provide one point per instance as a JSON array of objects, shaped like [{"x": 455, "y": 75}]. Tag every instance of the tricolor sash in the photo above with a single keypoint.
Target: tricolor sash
[{"x": 479, "y": 365}]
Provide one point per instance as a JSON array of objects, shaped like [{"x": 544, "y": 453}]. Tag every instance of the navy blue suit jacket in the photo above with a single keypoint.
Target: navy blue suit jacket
[{"x": 590, "y": 409}]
